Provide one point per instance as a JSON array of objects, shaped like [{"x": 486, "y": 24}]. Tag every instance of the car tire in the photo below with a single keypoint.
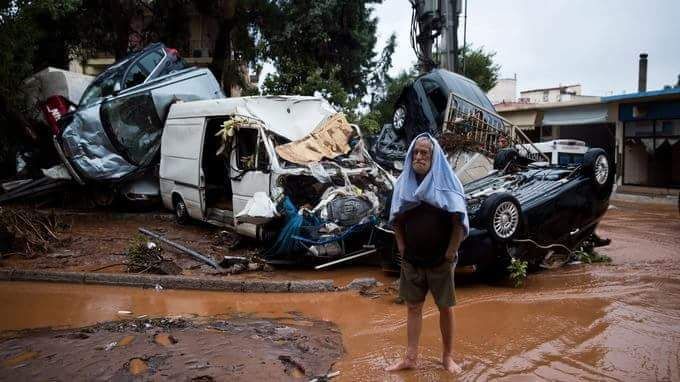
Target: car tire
[
  {"x": 504, "y": 157},
  {"x": 399, "y": 118},
  {"x": 501, "y": 216},
  {"x": 181, "y": 212},
  {"x": 597, "y": 167}
]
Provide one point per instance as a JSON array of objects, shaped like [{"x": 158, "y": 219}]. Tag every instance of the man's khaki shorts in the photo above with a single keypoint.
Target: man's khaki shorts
[{"x": 414, "y": 283}]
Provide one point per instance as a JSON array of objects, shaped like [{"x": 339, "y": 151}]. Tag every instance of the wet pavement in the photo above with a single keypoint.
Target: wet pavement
[{"x": 618, "y": 321}]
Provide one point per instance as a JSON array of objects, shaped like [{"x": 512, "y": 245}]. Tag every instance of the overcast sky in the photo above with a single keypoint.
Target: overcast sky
[{"x": 546, "y": 43}]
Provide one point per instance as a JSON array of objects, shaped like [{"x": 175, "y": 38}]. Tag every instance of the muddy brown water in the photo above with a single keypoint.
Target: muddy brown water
[{"x": 588, "y": 322}]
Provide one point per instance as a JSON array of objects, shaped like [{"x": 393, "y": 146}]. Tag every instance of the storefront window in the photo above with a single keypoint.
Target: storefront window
[{"x": 652, "y": 153}]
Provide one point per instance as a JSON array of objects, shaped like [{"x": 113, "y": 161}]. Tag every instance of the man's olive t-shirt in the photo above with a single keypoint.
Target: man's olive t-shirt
[{"x": 427, "y": 234}]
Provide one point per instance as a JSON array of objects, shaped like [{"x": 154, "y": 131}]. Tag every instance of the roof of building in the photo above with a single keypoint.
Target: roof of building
[
  {"x": 641, "y": 95},
  {"x": 552, "y": 88},
  {"x": 512, "y": 106}
]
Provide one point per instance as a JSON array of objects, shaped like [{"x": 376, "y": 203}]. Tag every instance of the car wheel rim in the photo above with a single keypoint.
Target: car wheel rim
[
  {"x": 505, "y": 219},
  {"x": 399, "y": 118},
  {"x": 180, "y": 210},
  {"x": 601, "y": 169}
]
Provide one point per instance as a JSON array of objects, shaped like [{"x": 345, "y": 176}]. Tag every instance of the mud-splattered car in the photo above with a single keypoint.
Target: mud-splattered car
[
  {"x": 289, "y": 171},
  {"x": 519, "y": 204},
  {"x": 114, "y": 133}
]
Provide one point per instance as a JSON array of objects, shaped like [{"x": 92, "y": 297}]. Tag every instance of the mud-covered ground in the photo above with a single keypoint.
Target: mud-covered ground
[
  {"x": 616, "y": 321},
  {"x": 97, "y": 241},
  {"x": 175, "y": 349}
]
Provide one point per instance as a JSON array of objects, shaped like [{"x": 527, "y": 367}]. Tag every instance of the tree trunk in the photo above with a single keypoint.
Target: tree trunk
[
  {"x": 121, "y": 22},
  {"x": 222, "y": 57}
]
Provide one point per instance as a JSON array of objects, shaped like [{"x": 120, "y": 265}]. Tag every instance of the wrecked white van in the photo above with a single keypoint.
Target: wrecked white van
[{"x": 286, "y": 170}]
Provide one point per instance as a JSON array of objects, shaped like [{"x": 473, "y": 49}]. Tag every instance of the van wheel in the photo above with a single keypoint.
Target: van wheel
[{"x": 181, "y": 212}]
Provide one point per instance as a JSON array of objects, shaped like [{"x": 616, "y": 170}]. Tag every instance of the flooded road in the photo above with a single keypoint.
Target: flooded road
[{"x": 601, "y": 322}]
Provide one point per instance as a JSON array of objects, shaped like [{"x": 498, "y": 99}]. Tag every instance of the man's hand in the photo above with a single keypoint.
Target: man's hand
[
  {"x": 456, "y": 238},
  {"x": 451, "y": 256}
]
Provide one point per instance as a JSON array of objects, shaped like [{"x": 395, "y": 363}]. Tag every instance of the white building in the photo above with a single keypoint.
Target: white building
[
  {"x": 505, "y": 91},
  {"x": 554, "y": 94}
]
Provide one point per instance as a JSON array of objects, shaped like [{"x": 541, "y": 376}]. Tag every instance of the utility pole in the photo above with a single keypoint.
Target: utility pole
[
  {"x": 451, "y": 35},
  {"x": 426, "y": 27},
  {"x": 431, "y": 19}
]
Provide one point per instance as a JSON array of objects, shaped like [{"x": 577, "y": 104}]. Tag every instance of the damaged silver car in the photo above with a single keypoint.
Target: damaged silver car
[
  {"x": 289, "y": 171},
  {"x": 114, "y": 132}
]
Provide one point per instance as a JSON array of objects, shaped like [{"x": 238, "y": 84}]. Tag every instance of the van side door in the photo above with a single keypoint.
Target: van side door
[{"x": 180, "y": 171}]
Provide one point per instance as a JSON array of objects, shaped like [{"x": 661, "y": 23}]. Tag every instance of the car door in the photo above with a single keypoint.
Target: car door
[
  {"x": 249, "y": 167},
  {"x": 130, "y": 117}
]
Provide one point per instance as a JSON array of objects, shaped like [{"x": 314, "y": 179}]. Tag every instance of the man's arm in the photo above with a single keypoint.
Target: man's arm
[
  {"x": 457, "y": 235},
  {"x": 399, "y": 234}
]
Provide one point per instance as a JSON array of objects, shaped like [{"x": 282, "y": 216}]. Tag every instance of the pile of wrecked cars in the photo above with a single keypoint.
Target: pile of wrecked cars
[
  {"x": 291, "y": 172},
  {"x": 520, "y": 202}
]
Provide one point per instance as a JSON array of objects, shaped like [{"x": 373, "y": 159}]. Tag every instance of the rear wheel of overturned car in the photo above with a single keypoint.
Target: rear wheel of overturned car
[
  {"x": 399, "y": 118},
  {"x": 596, "y": 165},
  {"x": 501, "y": 215},
  {"x": 181, "y": 213},
  {"x": 504, "y": 157}
]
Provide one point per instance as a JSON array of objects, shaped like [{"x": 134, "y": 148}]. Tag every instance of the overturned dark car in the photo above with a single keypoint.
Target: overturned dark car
[{"x": 520, "y": 205}]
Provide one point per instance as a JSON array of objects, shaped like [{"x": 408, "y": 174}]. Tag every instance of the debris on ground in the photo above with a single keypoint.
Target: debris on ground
[
  {"x": 145, "y": 256},
  {"x": 181, "y": 248},
  {"x": 27, "y": 232}
]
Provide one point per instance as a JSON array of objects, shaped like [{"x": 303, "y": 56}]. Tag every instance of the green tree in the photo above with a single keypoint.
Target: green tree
[
  {"x": 479, "y": 66},
  {"x": 29, "y": 41},
  {"x": 323, "y": 46},
  {"x": 383, "y": 103},
  {"x": 239, "y": 36}
]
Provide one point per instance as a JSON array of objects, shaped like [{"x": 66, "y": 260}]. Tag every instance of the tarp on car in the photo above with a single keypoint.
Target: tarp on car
[
  {"x": 291, "y": 117},
  {"x": 329, "y": 141}
]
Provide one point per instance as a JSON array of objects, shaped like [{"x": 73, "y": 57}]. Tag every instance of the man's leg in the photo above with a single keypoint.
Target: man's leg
[
  {"x": 447, "y": 324},
  {"x": 443, "y": 290},
  {"x": 414, "y": 324}
]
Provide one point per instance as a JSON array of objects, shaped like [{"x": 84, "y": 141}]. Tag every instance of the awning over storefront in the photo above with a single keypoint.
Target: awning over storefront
[
  {"x": 524, "y": 119},
  {"x": 579, "y": 115}
]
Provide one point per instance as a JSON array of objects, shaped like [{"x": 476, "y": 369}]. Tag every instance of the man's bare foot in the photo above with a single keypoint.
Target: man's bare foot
[
  {"x": 450, "y": 365},
  {"x": 404, "y": 364}
]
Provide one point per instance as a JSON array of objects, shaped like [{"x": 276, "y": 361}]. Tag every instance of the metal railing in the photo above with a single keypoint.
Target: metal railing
[{"x": 475, "y": 128}]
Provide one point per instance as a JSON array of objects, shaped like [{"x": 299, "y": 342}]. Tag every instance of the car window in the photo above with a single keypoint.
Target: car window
[
  {"x": 102, "y": 86},
  {"x": 250, "y": 151},
  {"x": 135, "y": 76},
  {"x": 142, "y": 68},
  {"x": 435, "y": 95},
  {"x": 151, "y": 60},
  {"x": 173, "y": 64},
  {"x": 134, "y": 126}
]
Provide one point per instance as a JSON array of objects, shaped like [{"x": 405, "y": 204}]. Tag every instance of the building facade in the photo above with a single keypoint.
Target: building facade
[{"x": 648, "y": 141}]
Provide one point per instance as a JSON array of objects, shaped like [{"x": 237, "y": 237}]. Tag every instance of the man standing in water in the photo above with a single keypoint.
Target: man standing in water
[{"x": 430, "y": 221}]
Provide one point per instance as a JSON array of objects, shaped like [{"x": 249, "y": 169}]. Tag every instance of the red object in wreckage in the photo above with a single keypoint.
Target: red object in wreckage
[{"x": 53, "y": 109}]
